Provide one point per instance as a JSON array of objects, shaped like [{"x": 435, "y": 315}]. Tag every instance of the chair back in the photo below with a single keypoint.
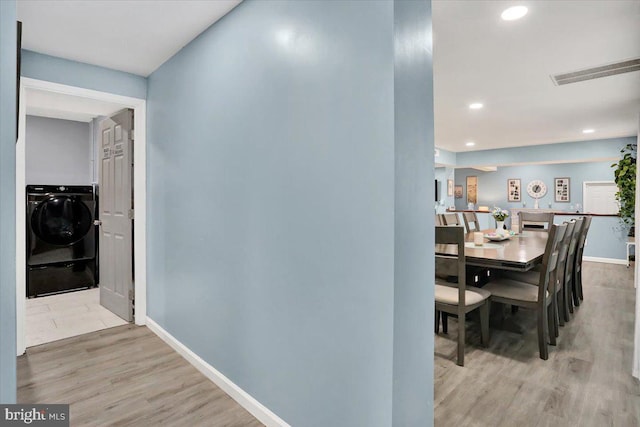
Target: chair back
[
  {"x": 582, "y": 239},
  {"x": 563, "y": 253},
  {"x": 452, "y": 265},
  {"x": 549, "y": 267},
  {"x": 451, "y": 219},
  {"x": 470, "y": 221},
  {"x": 439, "y": 220},
  {"x": 571, "y": 254},
  {"x": 535, "y": 221}
]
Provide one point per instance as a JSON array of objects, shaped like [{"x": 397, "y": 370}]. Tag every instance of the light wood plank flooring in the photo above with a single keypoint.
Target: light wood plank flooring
[
  {"x": 586, "y": 381},
  {"x": 127, "y": 376},
  {"x": 124, "y": 376}
]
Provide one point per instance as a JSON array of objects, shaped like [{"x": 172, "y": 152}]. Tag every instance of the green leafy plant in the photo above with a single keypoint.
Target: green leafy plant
[{"x": 625, "y": 178}]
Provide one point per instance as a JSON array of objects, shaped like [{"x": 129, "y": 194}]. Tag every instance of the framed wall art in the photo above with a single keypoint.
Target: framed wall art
[
  {"x": 562, "y": 190},
  {"x": 472, "y": 189},
  {"x": 513, "y": 190},
  {"x": 458, "y": 192},
  {"x": 449, "y": 187}
]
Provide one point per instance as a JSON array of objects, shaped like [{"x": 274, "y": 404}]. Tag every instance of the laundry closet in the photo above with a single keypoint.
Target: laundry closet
[
  {"x": 62, "y": 229},
  {"x": 61, "y": 206}
]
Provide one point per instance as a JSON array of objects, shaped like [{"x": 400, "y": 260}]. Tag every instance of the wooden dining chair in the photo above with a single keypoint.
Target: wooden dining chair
[
  {"x": 439, "y": 220},
  {"x": 535, "y": 221},
  {"x": 457, "y": 298},
  {"x": 567, "y": 308},
  {"x": 538, "y": 298},
  {"x": 557, "y": 289},
  {"x": 559, "y": 284},
  {"x": 471, "y": 221},
  {"x": 451, "y": 219},
  {"x": 576, "y": 289}
]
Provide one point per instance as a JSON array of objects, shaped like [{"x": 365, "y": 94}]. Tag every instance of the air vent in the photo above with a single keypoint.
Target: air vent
[{"x": 597, "y": 72}]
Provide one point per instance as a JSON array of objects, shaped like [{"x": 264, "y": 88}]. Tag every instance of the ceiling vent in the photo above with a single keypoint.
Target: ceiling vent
[{"x": 597, "y": 72}]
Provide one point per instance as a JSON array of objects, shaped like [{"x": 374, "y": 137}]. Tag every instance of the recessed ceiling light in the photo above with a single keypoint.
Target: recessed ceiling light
[
  {"x": 476, "y": 105},
  {"x": 470, "y": 144},
  {"x": 588, "y": 130},
  {"x": 513, "y": 13}
]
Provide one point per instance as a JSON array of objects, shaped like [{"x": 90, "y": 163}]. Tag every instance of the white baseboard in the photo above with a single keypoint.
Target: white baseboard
[
  {"x": 605, "y": 260},
  {"x": 258, "y": 410}
]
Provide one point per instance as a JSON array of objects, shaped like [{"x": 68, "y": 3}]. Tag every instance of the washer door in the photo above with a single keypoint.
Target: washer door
[{"x": 61, "y": 220}]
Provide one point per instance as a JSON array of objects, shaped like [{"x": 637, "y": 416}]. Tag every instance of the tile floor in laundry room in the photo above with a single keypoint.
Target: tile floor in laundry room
[{"x": 56, "y": 317}]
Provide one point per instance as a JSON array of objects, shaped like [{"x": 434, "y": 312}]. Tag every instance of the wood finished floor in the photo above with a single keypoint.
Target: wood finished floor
[
  {"x": 125, "y": 376},
  {"x": 586, "y": 381}
]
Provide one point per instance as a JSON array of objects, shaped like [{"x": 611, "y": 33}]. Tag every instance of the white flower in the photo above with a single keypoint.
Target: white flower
[{"x": 499, "y": 214}]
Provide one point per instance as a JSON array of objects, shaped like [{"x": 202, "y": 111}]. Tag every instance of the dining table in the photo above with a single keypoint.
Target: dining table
[{"x": 520, "y": 252}]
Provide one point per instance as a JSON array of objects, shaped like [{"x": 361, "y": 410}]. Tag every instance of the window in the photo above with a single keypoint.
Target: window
[{"x": 600, "y": 197}]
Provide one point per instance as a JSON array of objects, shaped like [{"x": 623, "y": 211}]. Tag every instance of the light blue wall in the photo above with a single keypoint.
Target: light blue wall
[
  {"x": 7, "y": 203},
  {"x": 492, "y": 191},
  {"x": 53, "y": 69},
  {"x": 414, "y": 220},
  {"x": 58, "y": 152},
  {"x": 445, "y": 157},
  {"x": 492, "y": 186},
  {"x": 442, "y": 175},
  {"x": 271, "y": 187}
]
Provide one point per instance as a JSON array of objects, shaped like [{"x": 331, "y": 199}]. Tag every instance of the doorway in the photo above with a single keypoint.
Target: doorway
[{"x": 87, "y": 100}]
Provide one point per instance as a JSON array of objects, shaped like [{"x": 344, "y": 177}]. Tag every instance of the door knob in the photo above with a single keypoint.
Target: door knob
[{"x": 97, "y": 222}]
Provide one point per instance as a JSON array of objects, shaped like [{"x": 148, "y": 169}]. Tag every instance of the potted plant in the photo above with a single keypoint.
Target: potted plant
[
  {"x": 500, "y": 215},
  {"x": 625, "y": 178}
]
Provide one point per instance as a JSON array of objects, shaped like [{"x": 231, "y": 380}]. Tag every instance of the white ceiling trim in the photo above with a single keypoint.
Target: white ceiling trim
[
  {"x": 493, "y": 167},
  {"x": 63, "y": 106}
]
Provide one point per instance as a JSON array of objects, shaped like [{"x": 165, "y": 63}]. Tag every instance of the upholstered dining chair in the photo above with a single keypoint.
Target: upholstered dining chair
[
  {"x": 451, "y": 219},
  {"x": 457, "y": 298},
  {"x": 538, "y": 298},
  {"x": 535, "y": 221},
  {"x": 576, "y": 289},
  {"x": 439, "y": 220},
  {"x": 471, "y": 221}
]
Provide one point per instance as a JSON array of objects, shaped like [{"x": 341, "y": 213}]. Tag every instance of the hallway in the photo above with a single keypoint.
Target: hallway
[{"x": 125, "y": 376}]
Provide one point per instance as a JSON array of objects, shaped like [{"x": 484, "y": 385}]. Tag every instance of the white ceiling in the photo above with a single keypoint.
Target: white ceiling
[
  {"x": 67, "y": 107},
  {"x": 506, "y": 65},
  {"x": 132, "y": 36},
  {"x": 477, "y": 57}
]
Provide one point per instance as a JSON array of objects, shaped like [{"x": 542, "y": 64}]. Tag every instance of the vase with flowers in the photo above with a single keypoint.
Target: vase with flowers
[{"x": 500, "y": 215}]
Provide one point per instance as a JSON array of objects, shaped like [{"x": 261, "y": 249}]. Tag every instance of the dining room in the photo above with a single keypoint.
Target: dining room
[{"x": 536, "y": 321}]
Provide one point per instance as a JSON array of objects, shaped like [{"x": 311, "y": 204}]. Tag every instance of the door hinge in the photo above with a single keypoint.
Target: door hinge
[{"x": 131, "y": 214}]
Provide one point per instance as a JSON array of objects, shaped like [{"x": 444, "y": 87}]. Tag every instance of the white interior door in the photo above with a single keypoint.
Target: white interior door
[{"x": 116, "y": 214}]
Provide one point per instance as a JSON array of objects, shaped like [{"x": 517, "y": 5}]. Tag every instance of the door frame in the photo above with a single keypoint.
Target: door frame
[{"x": 139, "y": 196}]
